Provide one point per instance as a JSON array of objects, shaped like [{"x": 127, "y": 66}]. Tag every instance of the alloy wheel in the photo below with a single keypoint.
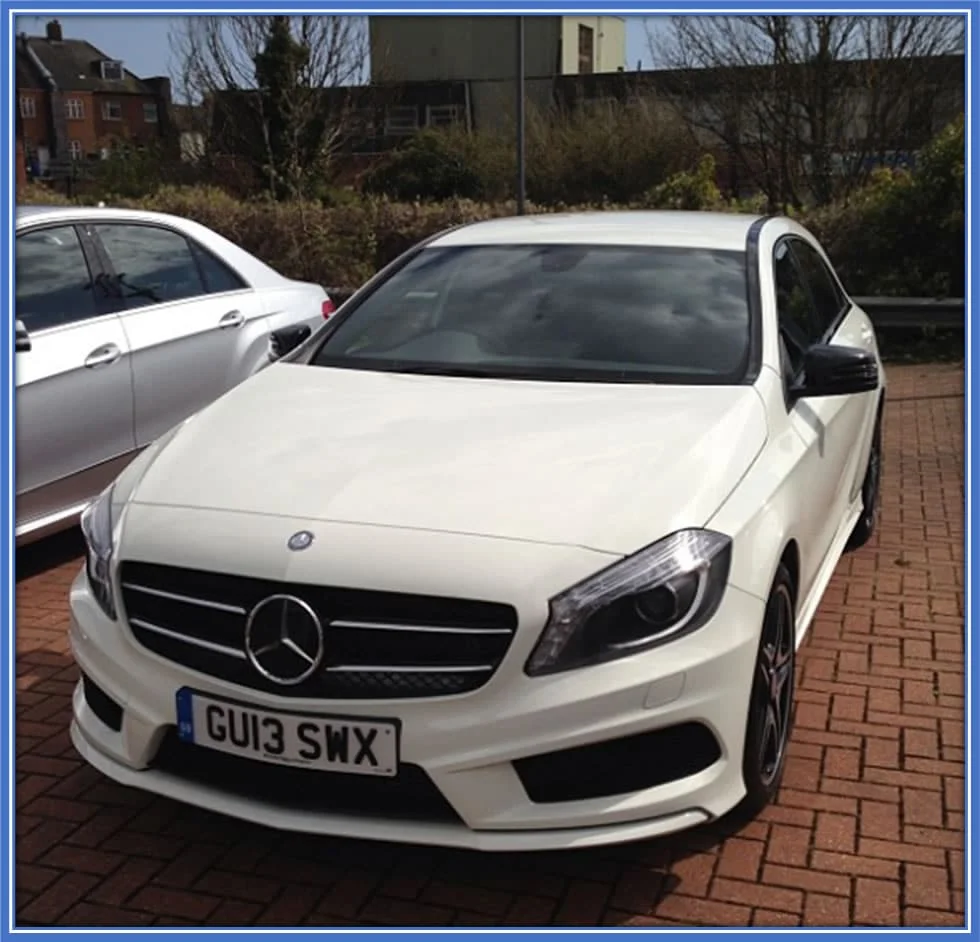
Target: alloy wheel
[{"x": 775, "y": 683}]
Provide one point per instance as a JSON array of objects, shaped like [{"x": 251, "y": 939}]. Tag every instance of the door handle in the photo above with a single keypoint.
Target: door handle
[
  {"x": 232, "y": 319},
  {"x": 103, "y": 356}
]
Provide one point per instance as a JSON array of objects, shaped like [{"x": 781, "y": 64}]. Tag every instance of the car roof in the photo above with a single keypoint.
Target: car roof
[
  {"x": 667, "y": 228},
  {"x": 33, "y": 213}
]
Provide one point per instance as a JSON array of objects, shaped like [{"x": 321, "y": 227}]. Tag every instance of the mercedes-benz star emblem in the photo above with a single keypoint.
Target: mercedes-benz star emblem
[
  {"x": 284, "y": 639},
  {"x": 300, "y": 541}
]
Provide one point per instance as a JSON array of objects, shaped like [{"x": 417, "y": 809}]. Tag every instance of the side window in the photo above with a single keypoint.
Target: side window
[
  {"x": 797, "y": 329},
  {"x": 218, "y": 276},
  {"x": 827, "y": 297},
  {"x": 53, "y": 281},
  {"x": 152, "y": 265}
]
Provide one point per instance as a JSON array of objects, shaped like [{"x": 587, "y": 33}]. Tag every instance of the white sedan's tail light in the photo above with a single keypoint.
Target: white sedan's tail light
[{"x": 327, "y": 308}]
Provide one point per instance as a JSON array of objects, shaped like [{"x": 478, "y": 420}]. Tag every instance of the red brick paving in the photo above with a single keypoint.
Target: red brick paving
[{"x": 868, "y": 828}]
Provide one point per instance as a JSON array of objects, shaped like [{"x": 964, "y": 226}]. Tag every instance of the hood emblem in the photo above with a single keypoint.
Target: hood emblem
[{"x": 300, "y": 541}]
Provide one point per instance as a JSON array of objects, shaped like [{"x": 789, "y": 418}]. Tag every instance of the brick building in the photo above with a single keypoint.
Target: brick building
[{"x": 75, "y": 102}]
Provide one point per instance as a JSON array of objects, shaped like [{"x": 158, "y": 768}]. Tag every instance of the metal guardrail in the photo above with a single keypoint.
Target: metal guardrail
[
  {"x": 944, "y": 314},
  {"x": 885, "y": 313}
]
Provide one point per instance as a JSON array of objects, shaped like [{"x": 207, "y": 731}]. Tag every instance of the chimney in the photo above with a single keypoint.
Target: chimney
[{"x": 53, "y": 31}]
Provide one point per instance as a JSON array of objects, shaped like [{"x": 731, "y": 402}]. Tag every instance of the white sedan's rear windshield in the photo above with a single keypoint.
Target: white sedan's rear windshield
[{"x": 563, "y": 312}]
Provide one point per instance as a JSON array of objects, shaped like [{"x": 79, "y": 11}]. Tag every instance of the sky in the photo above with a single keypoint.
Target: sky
[{"x": 141, "y": 40}]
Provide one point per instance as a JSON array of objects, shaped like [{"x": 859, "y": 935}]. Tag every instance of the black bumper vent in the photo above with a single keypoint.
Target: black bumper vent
[{"x": 619, "y": 766}]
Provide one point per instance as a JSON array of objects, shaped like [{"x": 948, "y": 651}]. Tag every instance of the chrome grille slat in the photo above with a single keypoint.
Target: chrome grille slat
[
  {"x": 422, "y": 629},
  {"x": 378, "y": 645},
  {"x": 174, "y": 597},
  {"x": 188, "y": 639},
  {"x": 407, "y": 669}
]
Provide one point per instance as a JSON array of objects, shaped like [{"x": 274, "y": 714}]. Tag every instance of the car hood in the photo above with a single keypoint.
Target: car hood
[{"x": 601, "y": 466}]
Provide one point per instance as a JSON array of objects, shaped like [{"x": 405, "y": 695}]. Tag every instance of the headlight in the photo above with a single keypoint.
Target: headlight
[
  {"x": 97, "y": 530},
  {"x": 660, "y": 593}
]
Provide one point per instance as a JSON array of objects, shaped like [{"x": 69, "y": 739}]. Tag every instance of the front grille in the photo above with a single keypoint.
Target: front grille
[
  {"x": 619, "y": 766},
  {"x": 378, "y": 645},
  {"x": 411, "y": 795}
]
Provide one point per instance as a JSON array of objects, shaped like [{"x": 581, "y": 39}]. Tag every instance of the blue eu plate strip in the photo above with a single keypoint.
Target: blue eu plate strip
[{"x": 185, "y": 715}]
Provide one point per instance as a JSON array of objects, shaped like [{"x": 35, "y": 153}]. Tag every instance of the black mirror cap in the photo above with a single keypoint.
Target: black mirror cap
[
  {"x": 287, "y": 339},
  {"x": 830, "y": 370},
  {"x": 23, "y": 339}
]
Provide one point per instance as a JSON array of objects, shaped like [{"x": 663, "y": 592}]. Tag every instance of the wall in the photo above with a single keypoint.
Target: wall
[
  {"x": 423, "y": 48},
  {"x": 21, "y": 165},
  {"x": 610, "y": 42},
  {"x": 494, "y": 104},
  {"x": 132, "y": 125},
  {"x": 81, "y": 129}
]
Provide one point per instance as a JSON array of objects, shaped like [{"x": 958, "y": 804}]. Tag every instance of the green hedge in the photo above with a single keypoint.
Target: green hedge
[{"x": 902, "y": 235}]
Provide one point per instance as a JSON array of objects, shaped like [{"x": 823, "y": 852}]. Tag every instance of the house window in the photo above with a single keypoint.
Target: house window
[
  {"x": 28, "y": 107},
  {"x": 401, "y": 120},
  {"x": 75, "y": 149},
  {"x": 441, "y": 116},
  {"x": 150, "y": 114},
  {"x": 112, "y": 71},
  {"x": 586, "y": 50},
  {"x": 111, "y": 111},
  {"x": 74, "y": 109}
]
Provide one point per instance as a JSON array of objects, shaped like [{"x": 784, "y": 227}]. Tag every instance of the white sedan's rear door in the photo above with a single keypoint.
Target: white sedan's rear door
[{"x": 195, "y": 329}]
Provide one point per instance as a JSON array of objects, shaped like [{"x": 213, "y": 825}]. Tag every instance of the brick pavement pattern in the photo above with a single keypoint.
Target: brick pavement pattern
[{"x": 868, "y": 828}]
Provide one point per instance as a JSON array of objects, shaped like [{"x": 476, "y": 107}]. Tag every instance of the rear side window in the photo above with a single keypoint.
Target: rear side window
[
  {"x": 152, "y": 265},
  {"x": 218, "y": 277},
  {"x": 53, "y": 282},
  {"x": 828, "y": 300}
]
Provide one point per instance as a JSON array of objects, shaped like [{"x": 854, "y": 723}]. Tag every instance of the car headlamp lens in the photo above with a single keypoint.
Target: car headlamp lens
[
  {"x": 97, "y": 530},
  {"x": 663, "y": 592}
]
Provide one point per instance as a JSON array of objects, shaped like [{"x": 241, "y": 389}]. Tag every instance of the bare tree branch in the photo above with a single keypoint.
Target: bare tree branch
[
  {"x": 802, "y": 102},
  {"x": 214, "y": 59}
]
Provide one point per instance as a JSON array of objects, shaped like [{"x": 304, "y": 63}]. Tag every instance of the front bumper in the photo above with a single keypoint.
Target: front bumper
[{"x": 467, "y": 744}]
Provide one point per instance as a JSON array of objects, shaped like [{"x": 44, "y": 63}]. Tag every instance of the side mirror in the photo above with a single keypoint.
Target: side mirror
[
  {"x": 287, "y": 339},
  {"x": 829, "y": 370},
  {"x": 23, "y": 344}
]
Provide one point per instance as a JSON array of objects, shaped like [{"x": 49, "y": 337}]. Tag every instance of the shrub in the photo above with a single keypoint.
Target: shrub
[
  {"x": 903, "y": 233},
  {"x": 687, "y": 190},
  {"x": 608, "y": 152},
  {"x": 433, "y": 165}
]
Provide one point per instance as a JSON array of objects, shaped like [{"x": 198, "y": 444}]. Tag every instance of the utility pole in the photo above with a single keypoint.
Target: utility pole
[{"x": 521, "y": 183}]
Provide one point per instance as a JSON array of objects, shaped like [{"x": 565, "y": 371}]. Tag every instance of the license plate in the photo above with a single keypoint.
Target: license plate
[{"x": 327, "y": 743}]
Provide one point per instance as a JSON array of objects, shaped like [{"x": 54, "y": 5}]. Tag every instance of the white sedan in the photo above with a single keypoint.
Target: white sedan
[
  {"x": 127, "y": 323},
  {"x": 516, "y": 552}
]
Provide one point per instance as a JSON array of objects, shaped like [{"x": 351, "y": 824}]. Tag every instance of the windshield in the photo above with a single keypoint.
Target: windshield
[{"x": 554, "y": 312}]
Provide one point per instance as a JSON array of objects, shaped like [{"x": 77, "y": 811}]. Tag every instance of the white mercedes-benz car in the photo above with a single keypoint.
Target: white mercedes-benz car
[{"x": 514, "y": 552}]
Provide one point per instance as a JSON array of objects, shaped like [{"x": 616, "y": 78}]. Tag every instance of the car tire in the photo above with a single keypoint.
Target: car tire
[
  {"x": 770, "y": 718},
  {"x": 870, "y": 495}
]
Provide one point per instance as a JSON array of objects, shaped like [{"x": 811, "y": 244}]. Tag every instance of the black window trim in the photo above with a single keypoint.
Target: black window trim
[
  {"x": 308, "y": 351},
  {"x": 93, "y": 260},
  {"x": 192, "y": 245},
  {"x": 795, "y": 262},
  {"x": 846, "y": 304},
  {"x": 199, "y": 252}
]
